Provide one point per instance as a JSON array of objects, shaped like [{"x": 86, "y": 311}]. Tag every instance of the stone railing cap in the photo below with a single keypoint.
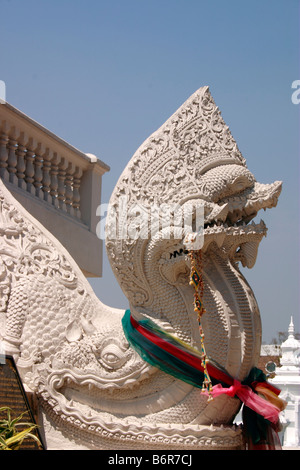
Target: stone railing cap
[{"x": 90, "y": 158}]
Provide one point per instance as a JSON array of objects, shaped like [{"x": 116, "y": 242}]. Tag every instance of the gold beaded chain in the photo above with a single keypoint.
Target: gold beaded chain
[{"x": 196, "y": 281}]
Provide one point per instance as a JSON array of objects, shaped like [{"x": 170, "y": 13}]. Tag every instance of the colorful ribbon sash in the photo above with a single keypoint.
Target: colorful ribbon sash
[{"x": 182, "y": 361}]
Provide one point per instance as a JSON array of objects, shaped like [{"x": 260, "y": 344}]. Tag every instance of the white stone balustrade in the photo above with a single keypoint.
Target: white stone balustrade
[{"x": 58, "y": 184}]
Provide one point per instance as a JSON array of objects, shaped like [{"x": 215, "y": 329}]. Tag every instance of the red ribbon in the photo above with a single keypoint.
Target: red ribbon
[
  {"x": 250, "y": 399},
  {"x": 185, "y": 356},
  {"x": 235, "y": 387}
]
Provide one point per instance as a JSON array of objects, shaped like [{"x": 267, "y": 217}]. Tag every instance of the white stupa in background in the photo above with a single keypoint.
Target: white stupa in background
[{"x": 287, "y": 378}]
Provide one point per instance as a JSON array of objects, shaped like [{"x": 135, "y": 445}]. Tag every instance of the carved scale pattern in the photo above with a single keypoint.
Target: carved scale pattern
[
  {"x": 168, "y": 168},
  {"x": 94, "y": 389}
]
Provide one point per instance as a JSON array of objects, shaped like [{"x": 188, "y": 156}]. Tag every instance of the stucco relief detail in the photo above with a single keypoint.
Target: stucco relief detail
[{"x": 70, "y": 347}]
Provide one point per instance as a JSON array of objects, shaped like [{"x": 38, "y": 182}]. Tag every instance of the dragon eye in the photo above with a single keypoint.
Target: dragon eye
[
  {"x": 112, "y": 356},
  {"x": 240, "y": 183}
]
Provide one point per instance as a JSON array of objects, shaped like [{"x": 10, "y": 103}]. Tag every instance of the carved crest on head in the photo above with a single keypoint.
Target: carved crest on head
[{"x": 167, "y": 169}]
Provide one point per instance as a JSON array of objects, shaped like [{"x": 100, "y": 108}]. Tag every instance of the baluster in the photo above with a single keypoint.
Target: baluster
[
  {"x": 21, "y": 166},
  {"x": 61, "y": 183},
  {"x": 12, "y": 156},
  {"x": 4, "y": 152},
  {"x": 38, "y": 174},
  {"x": 46, "y": 181},
  {"x": 54, "y": 179},
  {"x": 76, "y": 194},
  {"x": 29, "y": 170},
  {"x": 69, "y": 188}
]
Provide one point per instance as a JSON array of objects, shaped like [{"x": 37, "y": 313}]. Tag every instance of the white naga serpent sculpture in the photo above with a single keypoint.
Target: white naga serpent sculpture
[{"x": 94, "y": 390}]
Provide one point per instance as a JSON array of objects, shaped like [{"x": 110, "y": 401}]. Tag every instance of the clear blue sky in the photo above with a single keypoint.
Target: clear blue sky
[{"x": 105, "y": 74}]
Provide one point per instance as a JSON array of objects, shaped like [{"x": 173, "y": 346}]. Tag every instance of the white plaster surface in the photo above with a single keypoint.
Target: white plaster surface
[{"x": 93, "y": 389}]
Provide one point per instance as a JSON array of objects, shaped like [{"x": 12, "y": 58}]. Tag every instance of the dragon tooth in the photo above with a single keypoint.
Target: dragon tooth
[
  {"x": 220, "y": 239},
  {"x": 248, "y": 252},
  {"x": 207, "y": 241}
]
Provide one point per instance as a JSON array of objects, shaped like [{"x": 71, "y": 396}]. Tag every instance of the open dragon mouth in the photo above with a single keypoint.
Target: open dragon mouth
[
  {"x": 229, "y": 225},
  {"x": 242, "y": 208}
]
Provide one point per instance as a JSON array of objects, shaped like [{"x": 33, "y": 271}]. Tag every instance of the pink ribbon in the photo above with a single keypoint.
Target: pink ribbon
[{"x": 250, "y": 399}]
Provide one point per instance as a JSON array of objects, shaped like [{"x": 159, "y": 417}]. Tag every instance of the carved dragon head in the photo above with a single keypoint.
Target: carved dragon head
[
  {"x": 191, "y": 161},
  {"x": 71, "y": 348}
]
